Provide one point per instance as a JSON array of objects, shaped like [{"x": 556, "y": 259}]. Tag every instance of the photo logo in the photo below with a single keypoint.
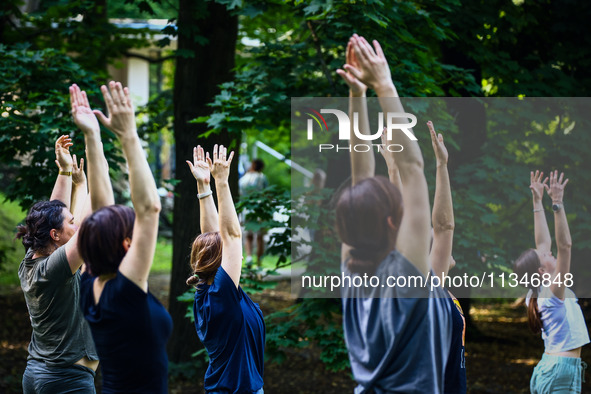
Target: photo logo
[{"x": 393, "y": 122}]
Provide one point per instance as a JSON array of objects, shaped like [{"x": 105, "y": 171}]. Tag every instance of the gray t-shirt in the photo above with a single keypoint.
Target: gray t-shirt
[
  {"x": 61, "y": 335},
  {"x": 398, "y": 338}
]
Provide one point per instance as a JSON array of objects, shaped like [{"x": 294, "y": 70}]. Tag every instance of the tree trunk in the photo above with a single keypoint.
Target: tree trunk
[{"x": 197, "y": 77}]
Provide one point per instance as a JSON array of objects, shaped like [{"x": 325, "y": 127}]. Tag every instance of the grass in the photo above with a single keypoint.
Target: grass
[
  {"x": 11, "y": 251},
  {"x": 162, "y": 257}
]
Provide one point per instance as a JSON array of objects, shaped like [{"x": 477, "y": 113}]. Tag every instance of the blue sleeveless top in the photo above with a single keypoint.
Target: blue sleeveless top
[
  {"x": 398, "y": 338},
  {"x": 232, "y": 330},
  {"x": 130, "y": 330}
]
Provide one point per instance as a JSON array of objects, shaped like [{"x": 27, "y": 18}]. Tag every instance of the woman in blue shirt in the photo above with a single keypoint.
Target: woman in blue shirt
[
  {"x": 552, "y": 307},
  {"x": 228, "y": 323},
  {"x": 129, "y": 326}
]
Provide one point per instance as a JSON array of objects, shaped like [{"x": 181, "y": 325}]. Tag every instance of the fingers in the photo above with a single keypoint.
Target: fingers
[
  {"x": 127, "y": 95},
  {"x": 348, "y": 52},
  {"x": 378, "y": 49},
  {"x": 80, "y": 97},
  {"x": 232, "y": 155},
  {"x": 195, "y": 155},
  {"x": 561, "y": 176},
  {"x": 215, "y": 153},
  {"x": 190, "y": 165},
  {"x": 107, "y": 97},
  {"x": 101, "y": 117},
  {"x": 72, "y": 99},
  {"x": 353, "y": 70},
  {"x": 116, "y": 92},
  {"x": 200, "y": 154},
  {"x": 365, "y": 48},
  {"x": 565, "y": 182},
  {"x": 81, "y": 168},
  {"x": 348, "y": 78},
  {"x": 85, "y": 98},
  {"x": 431, "y": 129},
  {"x": 74, "y": 162}
]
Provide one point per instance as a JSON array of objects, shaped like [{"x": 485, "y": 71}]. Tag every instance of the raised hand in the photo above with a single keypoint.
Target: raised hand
[
  {"x": 78, "y": 175},
  {"x": 355, "y": 85},
  {"x": 372, "y": 67},
  {"x": 556, "y": 188},
  {"x": 81, "y": 112},
  {"x": 388, "y": 156},
  {"x": 200, "y": 167},
  {"x": 536, "y": 185},
  {"x": 220, "y": 167},
  {"x": 63, "y": 160},
  {"x": 121, "y": 120},
  {"x": 438, "y": 146}
]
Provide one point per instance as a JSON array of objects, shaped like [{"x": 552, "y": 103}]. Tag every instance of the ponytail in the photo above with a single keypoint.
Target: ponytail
[
  {"x": 363, "y": 260},
  {"x": 533, "y": 313}
]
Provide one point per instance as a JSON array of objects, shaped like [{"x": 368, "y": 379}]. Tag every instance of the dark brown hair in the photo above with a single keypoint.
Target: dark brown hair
[
  {"x": 101, "y": 236},
  {"x": 257, "y": 165},
  {"x": 528, "y": 263},
  {"x": 362, "y": 220},
  {"x": 206, "y": 258},
  {"x": 43, "y": 217}
]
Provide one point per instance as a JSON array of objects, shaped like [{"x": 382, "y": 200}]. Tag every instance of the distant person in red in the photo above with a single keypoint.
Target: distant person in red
[{"x": 253, "y": 181}]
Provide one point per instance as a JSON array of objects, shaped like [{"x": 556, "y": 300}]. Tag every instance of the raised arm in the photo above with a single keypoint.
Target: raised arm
[
  {"x": 121, "y": 121},
  {"x": 362, "y": 163},
  {"x": 389, "y": 157},
  {"x": 230, "y": 231},
  {"x": 208, "y": 214},
  {"x": 442, "y": 216},
  {"x": 541, "y": 231},
  {"x": 561, "y": 232},
  {"x": 62, "y": 188},
  {"x": 99, "y": 184},
  {"x": 79, "y": 191},
  {"x": 414, "y": 234}
]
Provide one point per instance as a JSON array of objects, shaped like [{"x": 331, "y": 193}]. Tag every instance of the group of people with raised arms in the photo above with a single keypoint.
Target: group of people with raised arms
[
  {"x": 85, "y": 275},
  {"x": 85, "y": 272}
]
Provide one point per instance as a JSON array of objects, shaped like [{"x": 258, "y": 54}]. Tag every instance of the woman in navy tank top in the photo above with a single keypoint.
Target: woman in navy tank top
[{"x": 130, "y": 327}]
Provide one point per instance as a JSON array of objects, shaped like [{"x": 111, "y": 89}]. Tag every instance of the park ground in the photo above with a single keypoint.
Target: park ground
[{"x": 499, "y": 360}]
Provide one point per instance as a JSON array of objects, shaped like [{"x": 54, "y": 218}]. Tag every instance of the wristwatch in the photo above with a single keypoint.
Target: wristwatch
[{"x": 556, "y": 206}]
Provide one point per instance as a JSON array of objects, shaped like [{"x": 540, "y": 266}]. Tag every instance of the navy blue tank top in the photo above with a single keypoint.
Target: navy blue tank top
[{"x": 130, "y": 329}]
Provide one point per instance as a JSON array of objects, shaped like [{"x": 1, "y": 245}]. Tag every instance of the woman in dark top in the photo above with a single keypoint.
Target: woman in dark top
[
  {"x": 228, "y": 323},
  {"x": 129, "y": 326},
  {"x": 62, "y": 356}
]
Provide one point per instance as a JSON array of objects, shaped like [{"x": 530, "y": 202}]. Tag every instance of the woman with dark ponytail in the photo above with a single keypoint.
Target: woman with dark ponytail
[
  {"x": 552, "y": 307},
  {"x": 228, "y": 323},
  {"x": 62, "y": 357}
]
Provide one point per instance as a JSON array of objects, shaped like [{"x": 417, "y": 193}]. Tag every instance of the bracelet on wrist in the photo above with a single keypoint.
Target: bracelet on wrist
[
  {"x": 66, "y": 173},
  {"x": 203, "y": 195},
  {"x": 538, "y": 210}
]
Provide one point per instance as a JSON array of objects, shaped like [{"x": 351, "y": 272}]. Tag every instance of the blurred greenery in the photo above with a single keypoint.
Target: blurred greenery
[{"x": 11, "y": 250}]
